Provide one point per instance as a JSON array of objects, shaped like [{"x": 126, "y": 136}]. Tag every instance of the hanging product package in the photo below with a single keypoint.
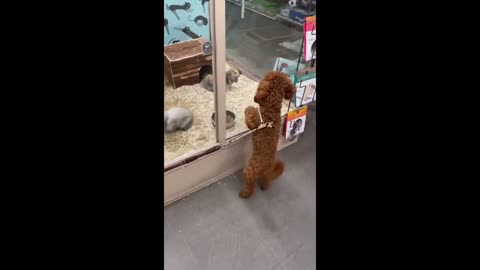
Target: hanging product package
[
  {"x": 295, "y": 123},
  {"x": 287, "y": 66},
  {"x": 306, "y": 85},
  {"x": 310, "y": 36}
]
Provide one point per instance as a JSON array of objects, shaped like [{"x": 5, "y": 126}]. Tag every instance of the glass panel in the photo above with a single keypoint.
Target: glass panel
[
  {"x": 187, "y": 59},
  {"x": 266, "y": 35}
]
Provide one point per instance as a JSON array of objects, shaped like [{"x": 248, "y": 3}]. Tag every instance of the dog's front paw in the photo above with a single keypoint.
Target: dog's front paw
[
  {"x": 245, "y": 194},
  {"x": 252, "y": 120}
]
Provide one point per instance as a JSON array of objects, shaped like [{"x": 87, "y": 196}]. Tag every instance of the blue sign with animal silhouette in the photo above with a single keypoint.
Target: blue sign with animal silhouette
[{"x": 185, "y": 20}]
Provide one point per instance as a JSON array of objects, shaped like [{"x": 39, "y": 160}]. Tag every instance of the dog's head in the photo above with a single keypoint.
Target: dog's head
[{"x": 274, "y": 87}]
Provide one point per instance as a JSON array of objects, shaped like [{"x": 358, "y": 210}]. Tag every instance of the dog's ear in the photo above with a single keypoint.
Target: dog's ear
[
  {"x": 290, "y": 91},
  {"x": 262, "y": 91}
]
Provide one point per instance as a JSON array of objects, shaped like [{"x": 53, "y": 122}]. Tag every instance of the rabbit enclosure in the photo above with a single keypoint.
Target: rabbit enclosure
[{"x": 202, "y": 104}]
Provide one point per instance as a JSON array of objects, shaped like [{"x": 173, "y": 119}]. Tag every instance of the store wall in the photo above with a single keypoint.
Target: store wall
[{"x": 189, "y": 16}]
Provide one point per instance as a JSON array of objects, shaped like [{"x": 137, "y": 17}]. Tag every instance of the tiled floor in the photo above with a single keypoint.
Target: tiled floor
[{"x": 213, "y": 229}]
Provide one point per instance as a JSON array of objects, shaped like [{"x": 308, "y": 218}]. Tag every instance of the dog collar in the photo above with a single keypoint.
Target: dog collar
[{"x": 262, "y": 123}]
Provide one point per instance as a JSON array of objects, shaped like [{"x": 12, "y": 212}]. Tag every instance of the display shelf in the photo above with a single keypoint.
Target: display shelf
[
  {"x": 294, "y": 46},
  {"x": 277, "y": 17},
  {"x": 292, "y": 104},
  {"x": 281, "y": 17},
  {"x": 248, "y": 6}
]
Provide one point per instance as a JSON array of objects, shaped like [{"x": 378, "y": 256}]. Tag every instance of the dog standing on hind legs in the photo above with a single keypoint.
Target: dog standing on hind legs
[{"x": 266, "y": 121}]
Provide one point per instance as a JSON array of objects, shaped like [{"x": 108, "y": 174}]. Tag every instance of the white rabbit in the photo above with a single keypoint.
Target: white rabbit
[
  {"x": 177, "y": 118},
  {"x": 232, "y": 76}
]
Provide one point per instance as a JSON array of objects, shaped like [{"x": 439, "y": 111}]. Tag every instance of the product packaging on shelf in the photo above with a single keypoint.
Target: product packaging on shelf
[
  {"x": 286, "y": 66},
  {"x": 310, "y": 36},
  {"x": 306, "y": 85},
  {"x": 295, "y": 123}
]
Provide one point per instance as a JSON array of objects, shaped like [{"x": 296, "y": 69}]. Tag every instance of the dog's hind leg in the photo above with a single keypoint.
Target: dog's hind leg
[
  {"x": 248, "y": 182},
  {"x": 272, "y": 174}
]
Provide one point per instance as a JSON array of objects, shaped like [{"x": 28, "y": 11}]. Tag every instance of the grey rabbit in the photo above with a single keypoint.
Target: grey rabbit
[
  {"x": 232, "y": 76},
  {"x": 207, "y": 82},
  {"x": 177, "y": 118}
]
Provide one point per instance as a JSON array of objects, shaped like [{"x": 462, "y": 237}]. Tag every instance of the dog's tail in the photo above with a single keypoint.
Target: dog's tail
[{"x": 278, "y": 168}]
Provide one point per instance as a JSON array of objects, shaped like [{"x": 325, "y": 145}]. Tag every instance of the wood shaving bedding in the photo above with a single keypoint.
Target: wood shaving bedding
[{"x": 201, "y": 103}]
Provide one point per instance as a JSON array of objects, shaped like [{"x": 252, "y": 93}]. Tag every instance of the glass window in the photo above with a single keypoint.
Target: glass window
[
  {"x": 261, "y": 35},
  {"x": 187, "y": 60},
  {"x": 250, "y": 37}
]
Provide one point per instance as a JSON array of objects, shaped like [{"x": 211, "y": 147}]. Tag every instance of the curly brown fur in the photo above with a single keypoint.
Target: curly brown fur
[
  {"x": 264, "y": 163},
  {"x": 252, "y": 119}
]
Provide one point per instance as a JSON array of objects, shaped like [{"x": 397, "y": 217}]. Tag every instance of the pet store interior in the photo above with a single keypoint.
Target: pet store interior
[
  {"x": 207, "y": 225},
  {"x": 260, "y": 35}
]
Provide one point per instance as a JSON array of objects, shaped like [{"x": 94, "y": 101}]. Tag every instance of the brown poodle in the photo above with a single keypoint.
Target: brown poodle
[{"x": 264, "y": 163}]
